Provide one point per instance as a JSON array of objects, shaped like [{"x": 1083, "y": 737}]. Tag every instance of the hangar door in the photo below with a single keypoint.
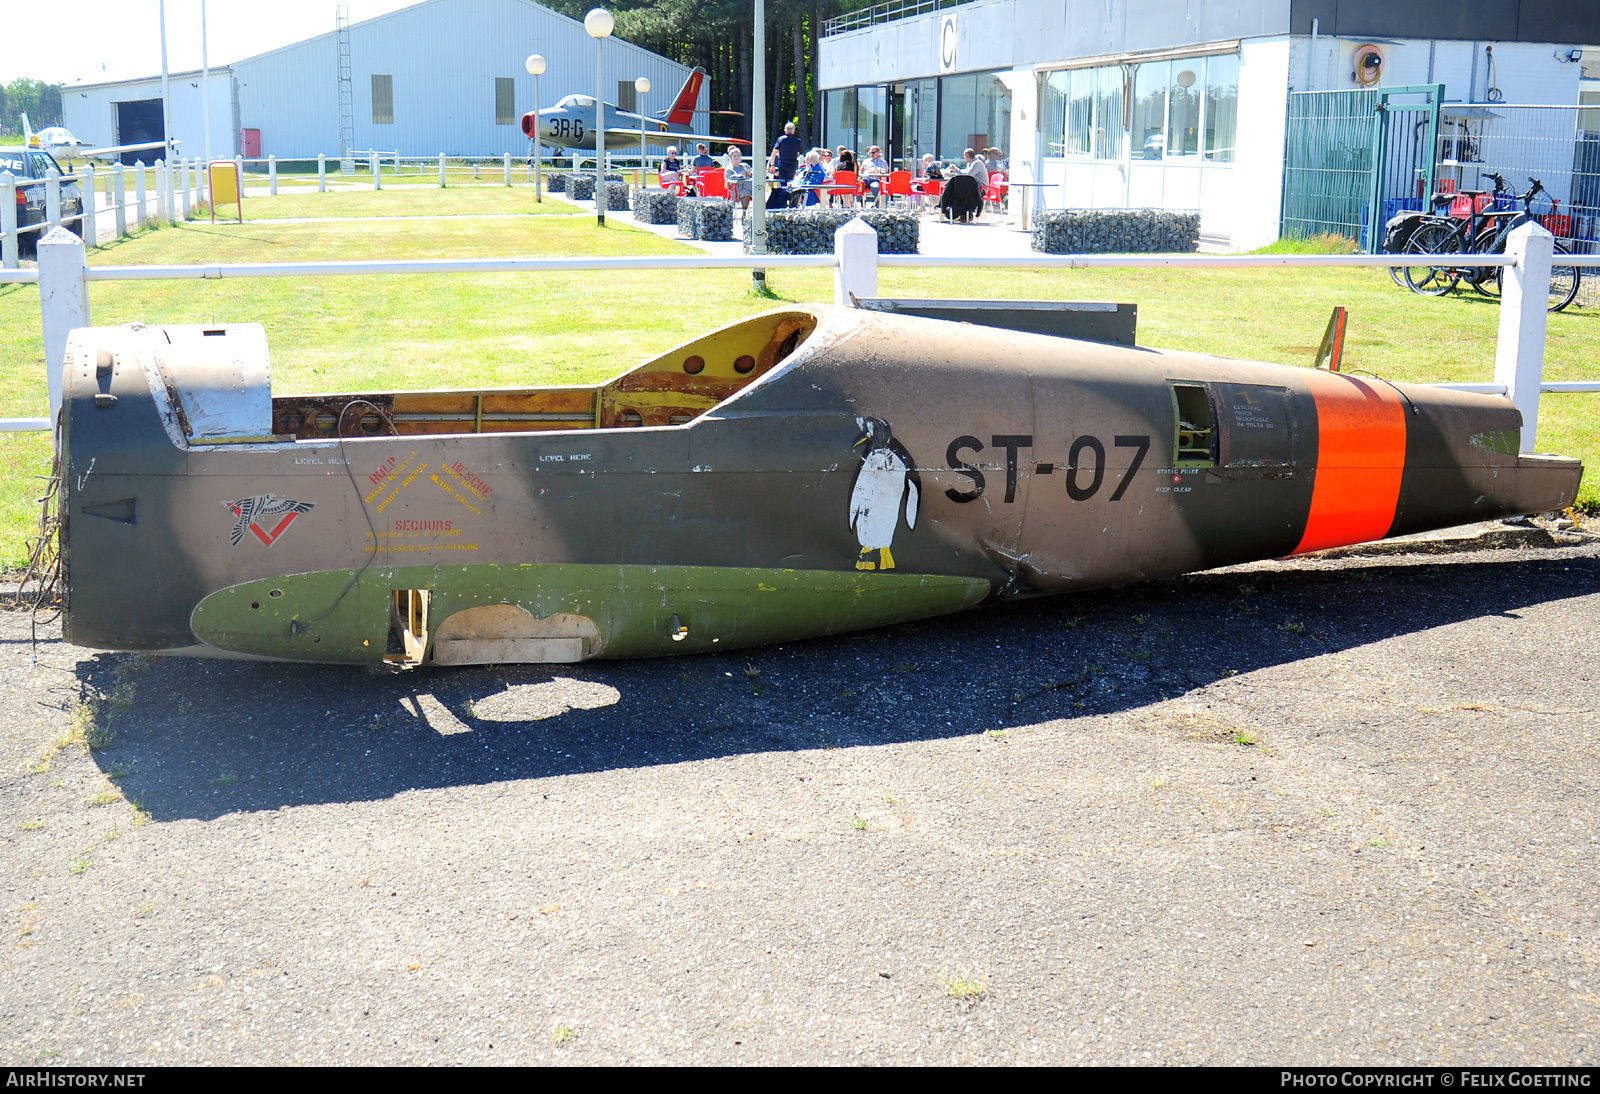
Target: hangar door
[{"x": 139, "y": 122}]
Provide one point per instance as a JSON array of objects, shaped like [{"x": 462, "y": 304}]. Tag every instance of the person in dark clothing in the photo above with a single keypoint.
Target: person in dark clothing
[{"x": 784, "y": 163}]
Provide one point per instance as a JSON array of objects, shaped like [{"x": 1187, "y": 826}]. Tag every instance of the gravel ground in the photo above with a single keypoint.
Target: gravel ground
[{"x": 1322, "y": 811}]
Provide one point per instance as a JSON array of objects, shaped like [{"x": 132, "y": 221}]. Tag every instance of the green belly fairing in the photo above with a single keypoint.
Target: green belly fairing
[{"x": 633, "y": 606}]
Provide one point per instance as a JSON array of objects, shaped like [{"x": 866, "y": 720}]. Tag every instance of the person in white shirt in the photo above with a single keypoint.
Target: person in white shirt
[{"x": 976, "y": 167}]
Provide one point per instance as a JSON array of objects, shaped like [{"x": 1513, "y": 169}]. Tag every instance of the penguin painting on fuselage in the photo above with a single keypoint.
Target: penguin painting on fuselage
[{"x": 887, "y": 475}]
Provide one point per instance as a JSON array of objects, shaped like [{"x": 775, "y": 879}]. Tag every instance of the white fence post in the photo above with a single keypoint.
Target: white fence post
[
  {"x": 441, "y": 170},
  {"x": 52, "y": 197},
  {"x": 119, "y": 203},
  {"x": 1524, "y": 314},
  {"x": 90, "y": 200},
  {"x": 272, "y": 175},
  {"x": 377, "y": 178},
  {"x": 183, "y": 188},
  {"x": 238, "y": 166},
  {"x": 171, "y": 191},
  {"x": 161, "y": 190},
  {"x": 508, "y": 168},
  {"x": 855, "y": 245},
  {"x": 63, "y": 302},
  {"x": 322, "y": 172},
  {"x": 140, "y": 181},
  {"x": 9, "y": 258}
]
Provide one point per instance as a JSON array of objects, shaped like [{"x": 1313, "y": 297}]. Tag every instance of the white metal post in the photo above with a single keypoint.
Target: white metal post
[
  {"x": 507, "y": 161},
  {"x": 856, "y": 246},
  {"x": 441, "y": 170},
  {"x": 9, "y": 259},
  {"x": 52, "y": 197},
  {"x": 119, "y": 203},
  {"x": 272, "y": 175},
  {"x": 140, "y": 189},
  {"x": 322, "y": 173},
  {"x": 377, "y": 179},
  {"x": 63, "y": 302},
  {"x": 758, "y": 144},
  {"x": 538, "y": 152},
  {"x": 1524, "y": 304},
  {"x": 90, "y": 200}
]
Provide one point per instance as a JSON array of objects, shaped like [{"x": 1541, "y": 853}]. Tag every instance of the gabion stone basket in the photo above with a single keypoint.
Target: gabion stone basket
[
  {"x": 710, "y": 219},
  {"x": 652, "y": 205},
  {"x": 810, "y": 231},
  {"x": 1115, "y": 231}
]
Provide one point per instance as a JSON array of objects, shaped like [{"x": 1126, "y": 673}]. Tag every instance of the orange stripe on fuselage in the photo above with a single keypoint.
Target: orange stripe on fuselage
[{"x": 1361, "y": 455}]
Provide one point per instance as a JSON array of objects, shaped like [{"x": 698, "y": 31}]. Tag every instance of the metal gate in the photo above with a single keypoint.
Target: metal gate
[{"x": 1352, "y": 158}]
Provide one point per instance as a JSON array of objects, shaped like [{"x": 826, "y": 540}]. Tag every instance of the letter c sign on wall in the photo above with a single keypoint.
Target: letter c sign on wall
[{"x": 947, "y": 43}]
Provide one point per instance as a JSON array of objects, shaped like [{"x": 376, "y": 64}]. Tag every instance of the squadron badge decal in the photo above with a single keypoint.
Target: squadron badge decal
[
  {"x": 266, "y": 515},
  {"x": 887, "y": 474}
]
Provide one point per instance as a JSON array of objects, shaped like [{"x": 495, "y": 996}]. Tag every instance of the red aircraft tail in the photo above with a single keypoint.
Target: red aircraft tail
[{"x": 682, "y": 111}]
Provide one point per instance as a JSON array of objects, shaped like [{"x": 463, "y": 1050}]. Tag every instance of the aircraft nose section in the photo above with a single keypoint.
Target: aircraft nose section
[{"x": 527, "y": 123}]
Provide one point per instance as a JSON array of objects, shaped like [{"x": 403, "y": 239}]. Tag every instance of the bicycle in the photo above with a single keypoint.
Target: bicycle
[
  {"x": 1449, "y": 235},
  {"x": 1443, "y": 233}
]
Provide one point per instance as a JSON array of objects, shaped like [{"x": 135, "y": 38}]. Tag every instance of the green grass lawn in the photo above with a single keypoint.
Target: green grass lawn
[
  {"x": 356, "y": 333},
  {"x": 411, "y": 201}
]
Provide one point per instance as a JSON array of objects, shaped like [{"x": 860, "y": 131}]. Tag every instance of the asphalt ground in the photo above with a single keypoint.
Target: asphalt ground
[{"x": 1327, "y": 811}]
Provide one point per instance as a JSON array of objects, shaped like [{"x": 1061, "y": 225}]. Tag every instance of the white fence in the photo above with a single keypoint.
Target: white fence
[
  {"x": 176, "y": 191},
  {"x": 508, "y": 169},
  {"x": 63, "y": 278}
]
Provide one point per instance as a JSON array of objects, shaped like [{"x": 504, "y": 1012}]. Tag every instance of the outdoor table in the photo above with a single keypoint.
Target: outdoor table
[{"x": 1027, "y": 189}]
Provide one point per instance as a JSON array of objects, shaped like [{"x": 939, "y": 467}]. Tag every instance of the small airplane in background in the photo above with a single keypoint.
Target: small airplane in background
[
  {"x": 56, "y": 138},
  {"x": 570, "y": 123},
  {"x": 51, "y": 138}
]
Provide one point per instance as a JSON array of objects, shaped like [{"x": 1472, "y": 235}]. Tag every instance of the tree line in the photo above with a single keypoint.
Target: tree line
[
  {"x": 718, "y": 36},
  {"x": 39, "y": 100}
]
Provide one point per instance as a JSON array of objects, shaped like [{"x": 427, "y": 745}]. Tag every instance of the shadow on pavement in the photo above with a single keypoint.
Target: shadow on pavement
[{"x": 206, "y": 738}]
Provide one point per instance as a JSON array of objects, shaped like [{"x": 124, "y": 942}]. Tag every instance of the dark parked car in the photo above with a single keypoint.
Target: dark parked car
[{"x": 34, "y": 163}]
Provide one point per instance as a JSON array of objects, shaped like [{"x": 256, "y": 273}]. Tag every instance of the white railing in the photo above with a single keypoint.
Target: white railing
[
  {"x": 178, "y": 190},
  {"x": 63, "y": 278}
]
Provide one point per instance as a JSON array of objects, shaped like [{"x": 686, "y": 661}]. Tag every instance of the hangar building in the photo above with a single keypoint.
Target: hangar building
[
  {"x": 1215, "y": 106},
  {"x": 439, "y": 76}
]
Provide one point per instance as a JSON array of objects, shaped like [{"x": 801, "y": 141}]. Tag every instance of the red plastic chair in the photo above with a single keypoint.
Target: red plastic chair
[
  {"x": 712, "y": 183},
  {"x": 997, "y": 189},
  {"x": 844, "y": 183},
  {"x": 898, "y": 185}
]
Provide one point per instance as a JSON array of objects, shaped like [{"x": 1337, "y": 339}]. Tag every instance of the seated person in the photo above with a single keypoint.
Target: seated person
[
  {"x": 874, "y": 169},
  {"x": 995, "y": 160},
  {"x": 740, "y": 176},
  {"x": 845, "y": 161},
  {"x": 812, "y": 174},
  {"x": 976, "y": 167},
  {"x": 930, "y": 167},
  {"x": 671, "y": 167},
  {"x": 702, "y": 157}
]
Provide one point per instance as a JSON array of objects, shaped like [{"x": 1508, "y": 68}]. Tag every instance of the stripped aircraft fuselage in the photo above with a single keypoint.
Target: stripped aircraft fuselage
[{"x": 804, "y": 472}]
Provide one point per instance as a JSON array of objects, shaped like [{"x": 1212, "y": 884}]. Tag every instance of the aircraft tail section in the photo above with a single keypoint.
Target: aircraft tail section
[
  {"x": 27, "y": 130},
  {"x": 682, "y": 109}
]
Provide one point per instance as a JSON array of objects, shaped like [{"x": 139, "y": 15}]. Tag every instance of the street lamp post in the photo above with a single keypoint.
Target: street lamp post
[
  {"x": 642, "y": 86},
  {"x": 535, "y": 68},
  {"x": 599, "y": 24}
]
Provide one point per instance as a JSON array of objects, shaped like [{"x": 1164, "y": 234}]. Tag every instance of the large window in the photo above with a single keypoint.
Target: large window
[
  {"x": 1108, "y": 122},
  {"x": 1183, "y": 125},
  {"x": 1057, "y": 94},
  {"x": 974, "y": 112},
  {"x": 1150, "y": 110},
  {"x": 872, "y": 118},
  {"x": 382, "y": 100},
  {"x": 505, "y": 101},
  {"x": 839, "y": 110},
  {"x": 1222, "y": 107},
  {"x": 1180, "y": 109}
]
